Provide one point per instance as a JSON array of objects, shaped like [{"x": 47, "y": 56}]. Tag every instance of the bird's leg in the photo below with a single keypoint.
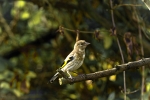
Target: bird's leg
[{"x": 69, "y": 74}]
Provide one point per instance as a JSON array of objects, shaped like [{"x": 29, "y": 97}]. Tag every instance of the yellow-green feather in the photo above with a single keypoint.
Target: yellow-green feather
[{"x": 65, "y": 62}]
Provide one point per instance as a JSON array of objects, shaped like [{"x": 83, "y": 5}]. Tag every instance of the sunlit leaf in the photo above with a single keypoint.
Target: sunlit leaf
[
  {"x": 33, "y": 49},
  {"x": 73, "y": 96},
  {"x": 17, "y": 92},
  {"x": 89, "y": 84},
  {"x": 25, "y": 15},
  {"x": 148, "y": 87},
  {"x": 31, "y": 74},
  {"x": 112, "y": 78},
  {"x": 107, "y": 42},
  {"x": 4, "y": 85},
  {"x": 20, "y": 4},
  {"x": 109, "y": 66},
  {"x": 91, "y": 57},
  {"x": 36, "y": 19},
  {"x": 106, "y": 38}
]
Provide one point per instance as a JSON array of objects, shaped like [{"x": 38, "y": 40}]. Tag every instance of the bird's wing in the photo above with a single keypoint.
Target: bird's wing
[{"x": 69, "y": 58}]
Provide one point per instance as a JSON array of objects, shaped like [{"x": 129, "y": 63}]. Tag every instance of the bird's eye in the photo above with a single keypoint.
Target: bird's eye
[{"x": 82, "y": 44}]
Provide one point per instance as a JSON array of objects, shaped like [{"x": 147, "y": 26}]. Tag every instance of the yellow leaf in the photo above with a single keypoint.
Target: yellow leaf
[
  {"x": 107, "y": 42},
  {"x": 4, "y": 85},
  {"x": 20, "y": 4},
  {"x": 109, "y": 66},
  {"x": 73, "y": 96},
  {"x": 148, "y": 87},
  {"x": 36, "y": 19},
  {"x": 31, "y": 74},
  {"x": 112, "y": 78},
  {"x": 107, "y": 38},
  {"x": 25, "y": 15},
  {"x": 104, "y": 65},
  {"x": 89, "y": 84},
  {"x": 17, "y": 92},
  {"x": 91, "y": 57}
]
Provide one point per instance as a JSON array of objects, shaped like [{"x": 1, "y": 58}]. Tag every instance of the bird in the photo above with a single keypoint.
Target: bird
[{"x": 74, "y": 60}]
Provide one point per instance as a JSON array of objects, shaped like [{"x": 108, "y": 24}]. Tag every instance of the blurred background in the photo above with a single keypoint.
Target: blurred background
[{"x": 33, "y": 45}]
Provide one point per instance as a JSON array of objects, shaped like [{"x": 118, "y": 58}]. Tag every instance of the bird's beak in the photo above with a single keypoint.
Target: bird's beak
[{"x": 87, "y": 43}]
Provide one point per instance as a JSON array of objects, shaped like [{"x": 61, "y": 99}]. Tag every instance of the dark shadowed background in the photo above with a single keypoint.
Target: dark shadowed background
[{"x": 32, "y": 47}]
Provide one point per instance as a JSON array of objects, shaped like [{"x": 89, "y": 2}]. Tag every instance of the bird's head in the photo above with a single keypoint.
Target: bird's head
[{"x": 81, "y": 45}]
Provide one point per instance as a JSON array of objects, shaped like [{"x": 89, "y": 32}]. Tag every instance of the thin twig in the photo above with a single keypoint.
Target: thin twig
[
  {"x": 133, "y": 91},
  {"x": 143, "y": 67},
  {"x": 120, "y": 5},
  {"x": 124, "y": 74},
  {"x": 67, "y": 29},
  {"x": 142, "y": 53},
  {"x": 78, "y": 35},
  {"x": 6, "y": 26}
]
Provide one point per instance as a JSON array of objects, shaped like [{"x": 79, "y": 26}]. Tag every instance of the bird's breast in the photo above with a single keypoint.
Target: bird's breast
[{"x": 80, "y": 56}]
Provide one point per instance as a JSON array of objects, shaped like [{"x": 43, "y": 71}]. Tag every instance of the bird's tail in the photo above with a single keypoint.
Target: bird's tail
[{"x": 54, "y": 77}]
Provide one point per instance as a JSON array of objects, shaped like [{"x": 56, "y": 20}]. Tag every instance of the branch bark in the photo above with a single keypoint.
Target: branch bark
[{"x": 105, "y": 73}]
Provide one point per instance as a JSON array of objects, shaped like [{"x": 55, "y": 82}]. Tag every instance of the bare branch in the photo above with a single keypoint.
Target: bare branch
[{"x": 105, "y": 73}]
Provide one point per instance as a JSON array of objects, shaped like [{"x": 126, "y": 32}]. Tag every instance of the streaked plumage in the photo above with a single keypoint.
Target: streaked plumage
[{"x": 74, "y": 60}]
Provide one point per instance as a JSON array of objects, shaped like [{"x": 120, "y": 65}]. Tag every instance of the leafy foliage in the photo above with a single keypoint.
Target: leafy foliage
[{"x": 32, "y": 48}]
